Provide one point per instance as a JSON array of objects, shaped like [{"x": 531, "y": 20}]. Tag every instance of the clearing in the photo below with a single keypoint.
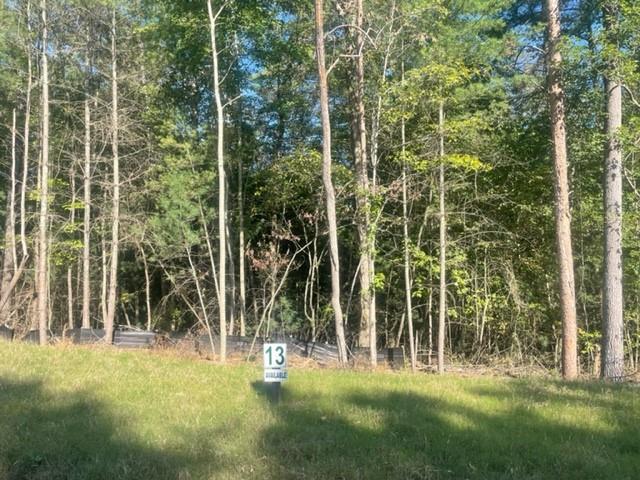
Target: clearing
[{"x": 76, "y": 413}]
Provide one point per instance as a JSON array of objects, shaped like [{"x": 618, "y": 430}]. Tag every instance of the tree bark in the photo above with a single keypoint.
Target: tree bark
[
  {"x": 612, "y": 299},
  {"x": 367, "y": 334},
  {"x": 564, "y": 254},
  {"x": 222, "y": 208},
  {"x": 147, "y": 287},
  {"x": 25, "y": 153},
  {"x": 328, "y": 183},
  {"x": 405, "y": 234},
  {"x": 86, "y": 227},
  {"x": 442, "y": 312},
  {"x": 42, "y": 271},
  {"x": 115, "y": 221},
  {"x": 241, "y": 243},
  {"x": 10, "y": 255},
  {"x": 72, "y": 220},
  {"x": 105, "y": 267}
]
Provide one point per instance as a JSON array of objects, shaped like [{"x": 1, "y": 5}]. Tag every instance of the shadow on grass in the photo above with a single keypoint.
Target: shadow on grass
[
  {"x": 43, "y": 436},
  {"x": 514, "y": 430}
]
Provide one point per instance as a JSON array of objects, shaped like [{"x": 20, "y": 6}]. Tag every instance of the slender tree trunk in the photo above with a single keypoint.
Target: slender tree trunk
[
  {"x": 212, "y": 261},
  {"x": 105, "y": 269},
  {"x": 375, "y": 130},
  {"x": 10, "y": 254},
  {"x": 222, "y": 208},
  {"x": 241, "y": 241},
  {"x": 241, "y": 247},
  {"x": 407, "y": 259},
  {"x": 443, "y": 245},
  {"x": 612, "y": 299},
  {"x": 25, "y": 153},
  {"x": 328, "y": 184},
  {"x": 367, "y": 336},
  {"x": 72, "y": 219},
  {"x": 86, "y": 227},
  {"x": 563, "y": 210},
  {"x": 115, "y": 222},
  {"x": 42, "y": 273},
  {"x": 309, "y": 286},
  {"x": 231, "y": 294},
  {"x": 147, "y": 288},
  {"x": 11, "y": 233},
  {"x": 405, "y": 234}
]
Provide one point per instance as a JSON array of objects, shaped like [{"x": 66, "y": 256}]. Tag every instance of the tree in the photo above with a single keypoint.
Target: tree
[
  {"x": 222, "y": 198},
  {"x": 564, "y": 253},
  {"x": 42, "y": 269},
  {"x": 407, "y": 240},
  {"x": 367, "y": 335},
  {"x": 86, "y": 224},
  {"x": 10, "y": 255},
  {"x": 329, "y": 192},
  {"x": 442, "y": 214},
  {"x": 115, "y": 213},
  {"x": 612, "y": 300}
]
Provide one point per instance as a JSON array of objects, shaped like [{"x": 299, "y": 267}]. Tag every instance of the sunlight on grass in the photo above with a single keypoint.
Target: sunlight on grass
[{"x": 79, "y": 413}]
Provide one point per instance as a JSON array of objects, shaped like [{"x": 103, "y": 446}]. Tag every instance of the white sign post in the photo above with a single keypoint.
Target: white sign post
[{"x": 275, "y": 362}]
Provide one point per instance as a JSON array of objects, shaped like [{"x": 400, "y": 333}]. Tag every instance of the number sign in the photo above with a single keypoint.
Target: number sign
[{"x": 275, "y": 362}]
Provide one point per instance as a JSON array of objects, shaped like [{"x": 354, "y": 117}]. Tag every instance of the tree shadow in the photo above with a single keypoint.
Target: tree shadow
[
  {"x": 74, "y": 436},
  {"x": 514, "y": 430}
]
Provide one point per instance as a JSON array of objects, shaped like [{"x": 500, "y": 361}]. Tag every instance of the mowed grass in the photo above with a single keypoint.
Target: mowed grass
[{"x": 71, "y": 413}]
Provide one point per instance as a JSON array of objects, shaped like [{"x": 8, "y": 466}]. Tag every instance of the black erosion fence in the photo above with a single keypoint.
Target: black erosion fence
[{"x": 322, "y": 353}]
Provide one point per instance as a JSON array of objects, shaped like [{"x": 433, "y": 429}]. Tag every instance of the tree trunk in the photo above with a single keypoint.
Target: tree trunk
[
  {"x": 367, "y": 334},
  {"x": 328, "y": 184},
  {"x": 612, "y": 307},
  {"x": 405, "y": 234},
  {"x": 105, "y": 267},
  {"x": 42, "y": 272},
  {"x": 241, "y": 247},
  {"x": 72, "y": 220},
  {"x": 375, "y": 131},
  {"x": 231, "y": 293},
  {"x": 10, "y": 258},
  {"x": 222, "y": 208},
  {"x": 562, "y": 206},
  {"x": 115, "y": 222},
  {"x": 86, "y": 227},
  {"x": 25, "y": 153},
  {"x": 147, "y": 287},
  {"x": 442, "y": 312}
]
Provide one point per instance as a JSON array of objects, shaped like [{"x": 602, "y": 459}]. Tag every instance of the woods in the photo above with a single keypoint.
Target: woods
[{"x": 455, "y": 177}]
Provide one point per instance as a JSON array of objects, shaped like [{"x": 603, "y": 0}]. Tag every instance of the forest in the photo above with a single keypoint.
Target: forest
[{"x": 456, "y": 177}]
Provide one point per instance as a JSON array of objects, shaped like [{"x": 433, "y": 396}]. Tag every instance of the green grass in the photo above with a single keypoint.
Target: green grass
[{"x": 69, "y": 413}]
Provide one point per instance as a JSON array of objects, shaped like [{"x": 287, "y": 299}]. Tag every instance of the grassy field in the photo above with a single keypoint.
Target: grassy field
[{"x": 69, "y": 413}]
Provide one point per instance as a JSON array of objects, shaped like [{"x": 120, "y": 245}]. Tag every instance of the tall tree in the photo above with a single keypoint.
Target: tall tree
[
  {"x": 442, "y": 213},
  {"x": 86, "y": 224},
  {"x": 42, "y": 265},
  {"x": 10, "y": 256},
  {"x": 115, "y": 213},
  {"x": 222, "y": 207},
  {"x": 26, "y": 136},
  {"x": 367, "y": 337},
  {"x": 406, "y": 242},
  {"x": 564, "y": 252},
  {"x": 612, "y": 300},
  {"x": 329, "y": 193}
]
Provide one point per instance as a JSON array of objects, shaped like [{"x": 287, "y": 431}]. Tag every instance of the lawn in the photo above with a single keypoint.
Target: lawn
[{"x": 72, "y": 413}]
